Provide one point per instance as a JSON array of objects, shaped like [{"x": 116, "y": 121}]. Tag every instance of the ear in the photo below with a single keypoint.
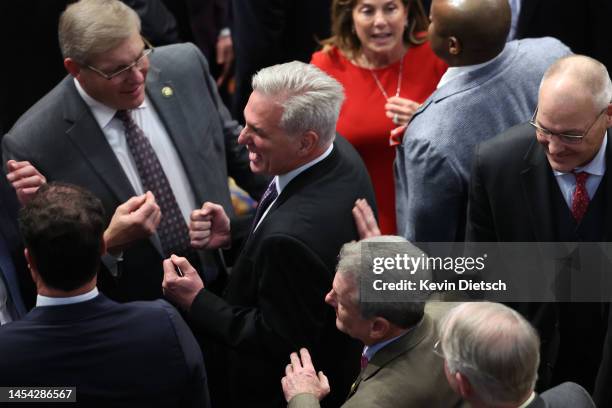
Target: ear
[
  {"x": 32, "y": 267},
  {"x": 454, "y": 46},
  {"x": 609, "y": 116},
  {"x": 465, "y": 388},
  {"x": 308, "y": 142},
  {"x": 380, "y": 328},
  {"x": 72, "y": 67}
]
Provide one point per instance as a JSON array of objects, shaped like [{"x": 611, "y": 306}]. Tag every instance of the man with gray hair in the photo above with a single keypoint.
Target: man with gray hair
[
  {"x": 491, "y": 357},
  {"x": 398, "y": 366},
  {"x": 144, "y": 130},
  {"x": 546, "y": 180},
  {"x": 273, "y": 303}
]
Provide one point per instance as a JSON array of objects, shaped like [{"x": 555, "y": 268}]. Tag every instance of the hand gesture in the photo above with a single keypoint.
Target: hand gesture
[
  {"x": 225, "y": 57},
  {"x": 400, "y": 110},
  {"x": 181, "y": 290},
  {"x": 135, "y": 219},
  {"x": 300, "y": 377},
  {"x": 209, "y": 227},
  {"x": 365, "y": 220},
  {"x": 25, "y": 179}
]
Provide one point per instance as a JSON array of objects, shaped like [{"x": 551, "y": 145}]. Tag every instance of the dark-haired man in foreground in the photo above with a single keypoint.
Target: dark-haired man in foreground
[{"x": 76, "y": 336}]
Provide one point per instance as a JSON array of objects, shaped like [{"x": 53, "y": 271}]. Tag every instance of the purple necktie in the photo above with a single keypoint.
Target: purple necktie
[
  {"x": 172, "y": 230},
  {"x": 268, "y": 197}
]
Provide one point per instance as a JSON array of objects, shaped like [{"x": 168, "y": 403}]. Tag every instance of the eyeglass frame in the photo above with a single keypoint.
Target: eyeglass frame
[
  {"x": 564, "y": 137},
  {"x": 148, "y": 50}
]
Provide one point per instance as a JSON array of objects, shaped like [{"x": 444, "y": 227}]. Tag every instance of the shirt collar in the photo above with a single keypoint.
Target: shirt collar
[
  {"x": 57, "y": 301},
  {"x": 283, "y": 179},
  {"x": 102, "y": 113},
  {"x": 454, "y": 72},
  {"x": 369, "y": 351},
  {"x": 529, "y": 400},
  {"x": 597, "y": 166}
]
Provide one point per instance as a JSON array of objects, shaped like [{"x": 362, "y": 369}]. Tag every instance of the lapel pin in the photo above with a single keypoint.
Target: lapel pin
[{"x": 167, "y": 91}]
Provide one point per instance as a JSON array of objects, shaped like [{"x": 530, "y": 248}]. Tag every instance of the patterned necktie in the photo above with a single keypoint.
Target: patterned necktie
[
  {"x": 580, "y": 199},
  {"x": 172, "y": 230},
  {"x": 364, "y": 361},
  {"x": 268, "y": 197}
]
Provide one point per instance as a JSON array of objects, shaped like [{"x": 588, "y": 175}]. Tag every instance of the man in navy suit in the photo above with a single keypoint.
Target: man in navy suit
[{"x": 75, "y": 336}]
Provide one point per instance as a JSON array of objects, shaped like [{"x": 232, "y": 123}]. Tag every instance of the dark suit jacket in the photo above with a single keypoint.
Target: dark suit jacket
[
  {"x": 274, "y": 301},
  {"x": 13, "y": 269},
  {"x": 512, "y": 193},
  {"x": 269, "y": 32},
  {"x": 140, "y": 354},
  {"x": 60, "y": 137},
  {"x": 404, "y": 373}
]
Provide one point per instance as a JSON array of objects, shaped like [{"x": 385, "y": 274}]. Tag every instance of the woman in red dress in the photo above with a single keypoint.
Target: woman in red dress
[{"x": 380, "y": 54}]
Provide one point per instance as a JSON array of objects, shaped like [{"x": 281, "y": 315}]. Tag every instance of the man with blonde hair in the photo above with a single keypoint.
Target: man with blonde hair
[{"x": 145, "y": 131}]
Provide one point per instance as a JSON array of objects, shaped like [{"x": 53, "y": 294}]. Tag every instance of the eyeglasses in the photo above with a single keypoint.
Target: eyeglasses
[
  {"x": 437, "y": 349},
  {"x": 567, "y": 138},
  {"x": 138, "y": 63}
]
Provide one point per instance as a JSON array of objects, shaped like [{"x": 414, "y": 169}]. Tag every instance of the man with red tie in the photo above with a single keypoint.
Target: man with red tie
[{"x": 546, "y": 181}]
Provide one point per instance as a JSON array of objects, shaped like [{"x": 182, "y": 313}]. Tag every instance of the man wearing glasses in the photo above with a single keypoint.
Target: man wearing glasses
[
  {"x": 138, "y": 127},
  {"x": 546, "y": 181}
]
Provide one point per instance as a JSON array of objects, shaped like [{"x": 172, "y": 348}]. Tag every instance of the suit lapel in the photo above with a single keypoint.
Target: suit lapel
[
  {"x": 167, "y": 101},
  {"x": 392, "y": 351},
  {"x": 87, "y": 136},
  {"x": 536, "y": 183},
  {"x": 608, "y": 190}
]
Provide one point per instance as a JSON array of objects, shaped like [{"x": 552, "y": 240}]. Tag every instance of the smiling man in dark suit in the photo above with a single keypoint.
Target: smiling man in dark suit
[
  {"x": 128, "y": 120},
  {"x": 273, "y": 303},
  {"x": 547, "y": 181}
]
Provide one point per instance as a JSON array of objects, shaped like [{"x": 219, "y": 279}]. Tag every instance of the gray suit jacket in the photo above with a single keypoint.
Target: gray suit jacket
[
  {"x": 433, "y": 163},
  {"x": 405, "y": 373},
  {"x": 60, "y": 137},
  {"x": 566, "y": 395}
]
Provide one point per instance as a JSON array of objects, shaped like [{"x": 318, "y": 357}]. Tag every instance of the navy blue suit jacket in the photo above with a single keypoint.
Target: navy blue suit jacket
[{"x": 134, "y": 355}]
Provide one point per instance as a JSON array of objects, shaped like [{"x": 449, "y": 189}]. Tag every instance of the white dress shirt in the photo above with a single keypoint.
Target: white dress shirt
[
  {"x": 148, "y": 120},
  {"x": 57, "y": 301}
]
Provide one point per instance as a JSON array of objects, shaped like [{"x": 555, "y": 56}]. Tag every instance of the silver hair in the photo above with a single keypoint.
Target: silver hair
[
  {"x": 590, "y": 74},
  {"x": 310, "y": 98},
  {"x": 494, "y": 347},
  {"x": 91, "y": 27},
  {"x": 404, "y": 314}
]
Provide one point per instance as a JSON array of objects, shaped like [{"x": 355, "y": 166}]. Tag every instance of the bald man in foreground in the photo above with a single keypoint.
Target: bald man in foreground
[
  {"x": 490, "y": 86},
  {"x": 546, "y": 180}
]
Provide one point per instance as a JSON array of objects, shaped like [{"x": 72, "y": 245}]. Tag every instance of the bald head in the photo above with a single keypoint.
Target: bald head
[
  {"x": 578, "y": 78},
  {"x": 473, "y": 31}
]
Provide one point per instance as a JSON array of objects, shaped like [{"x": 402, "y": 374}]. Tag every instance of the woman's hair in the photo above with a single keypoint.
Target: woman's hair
[{"x": 345, "y": 38}]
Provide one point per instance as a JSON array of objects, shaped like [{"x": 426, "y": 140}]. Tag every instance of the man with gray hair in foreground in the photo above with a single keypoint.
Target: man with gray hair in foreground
[
  {"x": 273, "y": 303},
  {"x": 491, "y": 357},
  {"x": 399, "y": 368}
]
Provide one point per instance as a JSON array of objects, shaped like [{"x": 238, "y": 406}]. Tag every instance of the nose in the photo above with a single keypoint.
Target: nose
[
  {"x": 379, "y": 18},
  {"x": 136, "y": 73},
  {"x": 554, "y": 145},
  {"x": 329, "y": 298},
  {"x": 243, "y": 137}
]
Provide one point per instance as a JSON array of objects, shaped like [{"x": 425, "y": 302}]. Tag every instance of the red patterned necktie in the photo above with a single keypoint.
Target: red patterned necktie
[
  {"x": 364, "y": 361},
  {"x": 580, "y": 198},
  {"x": 172, "y": 230}
]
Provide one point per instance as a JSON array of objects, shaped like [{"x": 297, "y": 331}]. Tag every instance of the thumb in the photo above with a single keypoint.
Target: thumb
[
  {"x": 184, "y": 264},
  {"x": 212, "y": 209},
  {"x": 132, "y": 204},
  {"x": 324, "y": 381}
]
